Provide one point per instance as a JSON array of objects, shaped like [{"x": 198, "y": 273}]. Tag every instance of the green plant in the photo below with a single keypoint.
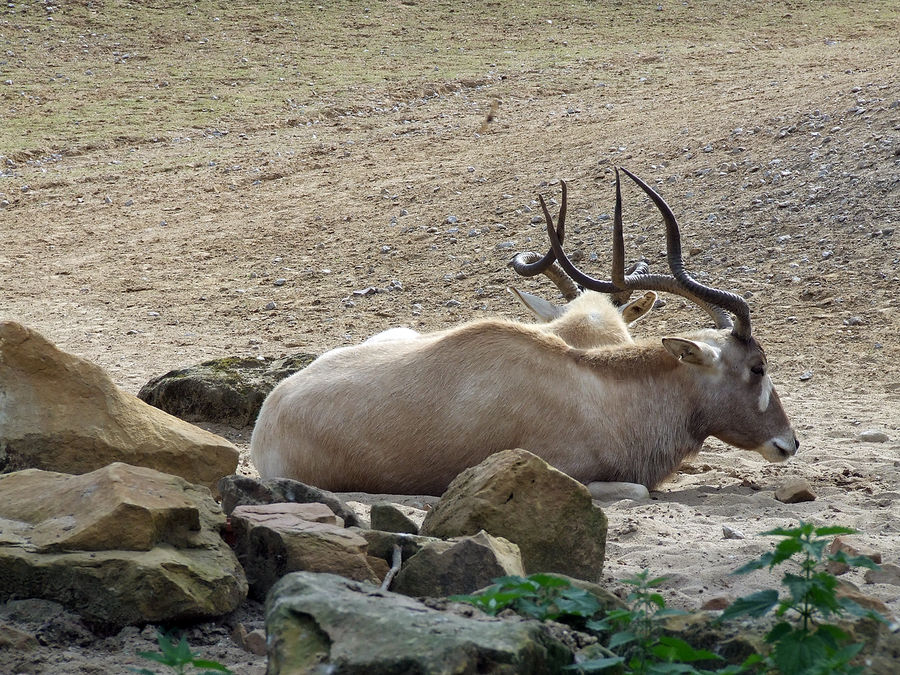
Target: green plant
[
  {"x": 178, "y": 657},
  {"x": 540, "y": 596},
  {"x": 810, "y": 646},
  {"x": 636, "y": 643}
]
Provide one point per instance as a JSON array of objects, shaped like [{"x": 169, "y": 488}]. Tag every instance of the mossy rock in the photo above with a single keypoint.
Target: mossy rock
[{"x": 229, "y": 390}]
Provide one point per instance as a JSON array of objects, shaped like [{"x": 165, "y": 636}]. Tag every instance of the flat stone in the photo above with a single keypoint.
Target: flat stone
[
  {"x": 120, "y": 545},
  {"x": 613, "y": 491},
  {"x": 244, "y": 490},
  {"x": 287, "y": 514},
  {"x": 888, "y": 574},
  {"x": 873, "y": 436},
  {"x": 269, "y": 546}
]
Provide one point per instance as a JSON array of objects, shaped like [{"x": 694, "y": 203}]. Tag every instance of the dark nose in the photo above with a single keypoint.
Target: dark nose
[{"x": 796, "y": 442}]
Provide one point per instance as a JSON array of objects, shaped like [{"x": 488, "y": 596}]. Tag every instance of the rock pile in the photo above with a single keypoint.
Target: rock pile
[{"x": 120, "y": 545}]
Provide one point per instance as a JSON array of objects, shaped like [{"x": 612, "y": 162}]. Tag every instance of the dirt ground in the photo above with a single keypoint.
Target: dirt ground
[{"x": 772, "y": 129}]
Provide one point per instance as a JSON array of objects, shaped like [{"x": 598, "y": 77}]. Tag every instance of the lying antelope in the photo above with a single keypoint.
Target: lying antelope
[{"x": 407, "y": 415}]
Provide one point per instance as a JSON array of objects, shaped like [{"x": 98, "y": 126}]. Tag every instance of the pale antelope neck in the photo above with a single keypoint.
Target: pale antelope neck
[
  {"x": 633, "y": 360},
  {"x": 624, "y": 360}
]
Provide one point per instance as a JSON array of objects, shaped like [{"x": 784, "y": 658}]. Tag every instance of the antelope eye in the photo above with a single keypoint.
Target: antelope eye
[{"x": 758, "y": 370}]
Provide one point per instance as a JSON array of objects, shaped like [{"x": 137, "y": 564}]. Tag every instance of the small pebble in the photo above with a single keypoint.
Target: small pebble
[
  {"x": 279, "y": 282},
  {"x": 270, "y": 305},
  {"x": 806, "y": 375},
  {"x": 730, "y": 533}
]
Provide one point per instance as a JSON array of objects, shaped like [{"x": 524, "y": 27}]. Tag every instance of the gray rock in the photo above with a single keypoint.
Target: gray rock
[
  {"x": 391, "y": 518},
  {"x": 324, "y": 623},
  {"x": 225, "y": 391},
  {"x": 463, "y": 565},
  {"x": 242, "y": 490},
  {"x": 731, "y": 533},
  {"x": 873, "y": 436}
]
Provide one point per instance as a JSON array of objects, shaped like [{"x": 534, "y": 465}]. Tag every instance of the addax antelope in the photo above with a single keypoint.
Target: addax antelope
[{"x": 407, "y": 415}]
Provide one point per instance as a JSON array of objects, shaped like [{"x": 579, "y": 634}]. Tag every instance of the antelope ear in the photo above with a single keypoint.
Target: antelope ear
[
  {"x": 638, "y": 308},
  {"x": 542, "y": 309},
  {"x": 690, "y": 351}
]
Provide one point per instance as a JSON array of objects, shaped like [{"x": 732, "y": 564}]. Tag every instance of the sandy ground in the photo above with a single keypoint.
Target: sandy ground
[{"x": 779, "y": 154}]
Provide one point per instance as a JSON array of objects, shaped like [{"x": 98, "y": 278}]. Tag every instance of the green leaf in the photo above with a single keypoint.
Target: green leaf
[
  {"x": 814, "y": 549},
  {"x": 596, "y": 665},
  {"x": 833, "y": 635},
  {"x": 153, "y": 656},
  {"x": 756, "y": 604},
  {"x": 669, "y": 612},
  {"x": 676, "y": 649},
  {"x": 577, "y": 602},
  {"x": 857, "y": 610},
  {"x": 794, "y": 533},
  {"x": 549, "y": 581},
  {"x": 798, "y": 650},
  {"x": 529, "y": 607},
  {"x": 765, "y": 560},
  {"x": 778, "y": 632},
  {"x": 855, "y": 560},
  {"x": 621, "y": 638},
  {"x": 784, "y": 549},
  {"x": 212, "y": 665},
  {"x": 832, "y": 530},
  {"x": 670, "y": 669}
]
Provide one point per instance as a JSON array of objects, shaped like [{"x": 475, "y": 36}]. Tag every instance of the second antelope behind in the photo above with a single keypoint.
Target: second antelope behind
[{"x": 406, "y": 415}]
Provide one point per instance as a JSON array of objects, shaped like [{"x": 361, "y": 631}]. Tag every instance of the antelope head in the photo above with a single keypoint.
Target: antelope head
[{"x": 726, "y": 363}]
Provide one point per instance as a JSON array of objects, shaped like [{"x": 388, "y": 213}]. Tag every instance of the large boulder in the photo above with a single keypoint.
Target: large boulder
[
  {"x": 516, "y": 495},
  {"x": 227, "y": 391},
  {"x": 120, "y": 545},
  {"x": 273, "y": 539},
  {"x": 246, "y": 491},
  {"x": 59, "y": 412},
  {"x": 325, "y": 623}
]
